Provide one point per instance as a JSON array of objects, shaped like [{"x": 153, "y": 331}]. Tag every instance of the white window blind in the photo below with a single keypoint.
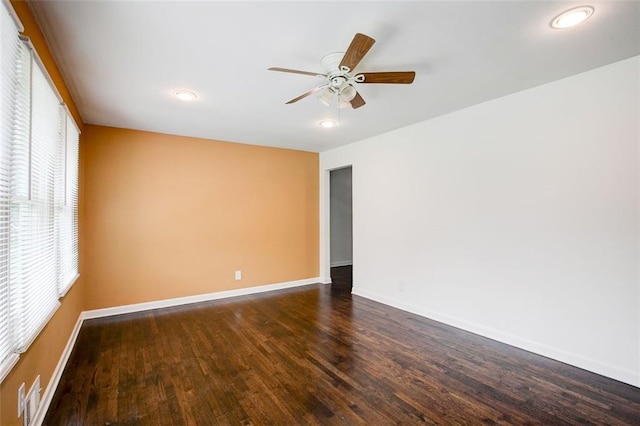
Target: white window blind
[
  {"x": 67, "y": 207},
  {"x": 9, "y": 46},
  {"x": 33, "y": 260},
  {"x": 38, "y": 196}
]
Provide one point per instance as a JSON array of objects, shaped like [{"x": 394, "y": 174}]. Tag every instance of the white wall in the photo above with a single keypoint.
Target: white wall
[
  {"x": 340, "y": 223},
  {"x": 518, "y": 219}
]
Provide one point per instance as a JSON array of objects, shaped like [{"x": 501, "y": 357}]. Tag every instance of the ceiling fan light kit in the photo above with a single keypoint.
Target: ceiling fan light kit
[
  {"x": 326, "y": 97},
  {"x": 348, "y": 93},
  {"x": 339, "y": 78}
]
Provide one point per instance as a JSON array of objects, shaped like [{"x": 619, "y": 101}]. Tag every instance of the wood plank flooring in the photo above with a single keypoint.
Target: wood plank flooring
[{"x": 313, "y": 355}]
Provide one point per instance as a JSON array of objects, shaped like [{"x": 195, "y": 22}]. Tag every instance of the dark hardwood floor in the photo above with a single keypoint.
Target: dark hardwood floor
[{"x": 317, "y": 355}]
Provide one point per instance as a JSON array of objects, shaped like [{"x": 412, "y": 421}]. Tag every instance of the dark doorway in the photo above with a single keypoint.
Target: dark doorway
[
  {"x": 341, "y": 224},
  {"x": 342, "y": 278}
]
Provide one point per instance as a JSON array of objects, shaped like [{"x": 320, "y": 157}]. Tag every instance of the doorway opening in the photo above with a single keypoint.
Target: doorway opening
[{"x": 341, "y": 229}]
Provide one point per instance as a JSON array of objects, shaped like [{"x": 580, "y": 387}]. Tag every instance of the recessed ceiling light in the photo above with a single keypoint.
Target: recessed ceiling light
[
  {"x": 572, "y": 17},
  {"x": 328, "y": 124},
  {"x": 185, "y": 95}
]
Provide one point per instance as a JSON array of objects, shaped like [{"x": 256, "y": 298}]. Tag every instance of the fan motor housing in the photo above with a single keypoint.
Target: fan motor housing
[{"x": 331, "y": 62}]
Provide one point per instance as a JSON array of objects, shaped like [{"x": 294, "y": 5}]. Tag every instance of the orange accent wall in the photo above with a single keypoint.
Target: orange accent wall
[
  {"x": 43, "y": 354},
  {"x": 169, "y": 216}
]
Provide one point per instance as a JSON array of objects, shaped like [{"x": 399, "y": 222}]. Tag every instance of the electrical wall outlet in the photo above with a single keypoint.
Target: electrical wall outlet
[
  {"x": 238, "y": 275},
  {"x": 31, "y": 403},
  {"x": 21, "y": 396}
]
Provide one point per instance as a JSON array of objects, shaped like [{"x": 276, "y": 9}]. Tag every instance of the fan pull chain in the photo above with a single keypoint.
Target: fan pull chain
[{"x": 338, "y": 107}]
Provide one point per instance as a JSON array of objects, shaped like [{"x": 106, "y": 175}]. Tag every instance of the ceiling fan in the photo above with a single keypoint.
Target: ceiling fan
[{"x": 339, "y": 78}]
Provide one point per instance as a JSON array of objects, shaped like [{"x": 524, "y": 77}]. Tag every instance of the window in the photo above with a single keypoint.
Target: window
[
  {"x": 38, "y": 196},
  {"x": 67, "y": 207},
  {"x": 9, "y": 48}
]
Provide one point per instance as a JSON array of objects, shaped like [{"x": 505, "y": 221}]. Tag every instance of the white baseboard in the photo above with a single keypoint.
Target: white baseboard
[
  {"x": 579, "y": 361},
  {"x": 341, "y": 263},
  {"x": 47, "y": 396},
  {"x": 166, "y": 303}
]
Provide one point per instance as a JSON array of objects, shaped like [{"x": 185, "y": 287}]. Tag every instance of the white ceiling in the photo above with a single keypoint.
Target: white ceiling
[{"x": 123, "y": 59}]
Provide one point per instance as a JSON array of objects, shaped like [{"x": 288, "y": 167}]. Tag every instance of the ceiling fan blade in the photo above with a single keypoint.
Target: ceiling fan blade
[
  {"x": 357, "y": 101},
  {"x": 391, "y": 77},
  {"x": 304, "y": 95},
  {"x": 294, "y": 71},
  {"x": 359, "y": 47}
]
